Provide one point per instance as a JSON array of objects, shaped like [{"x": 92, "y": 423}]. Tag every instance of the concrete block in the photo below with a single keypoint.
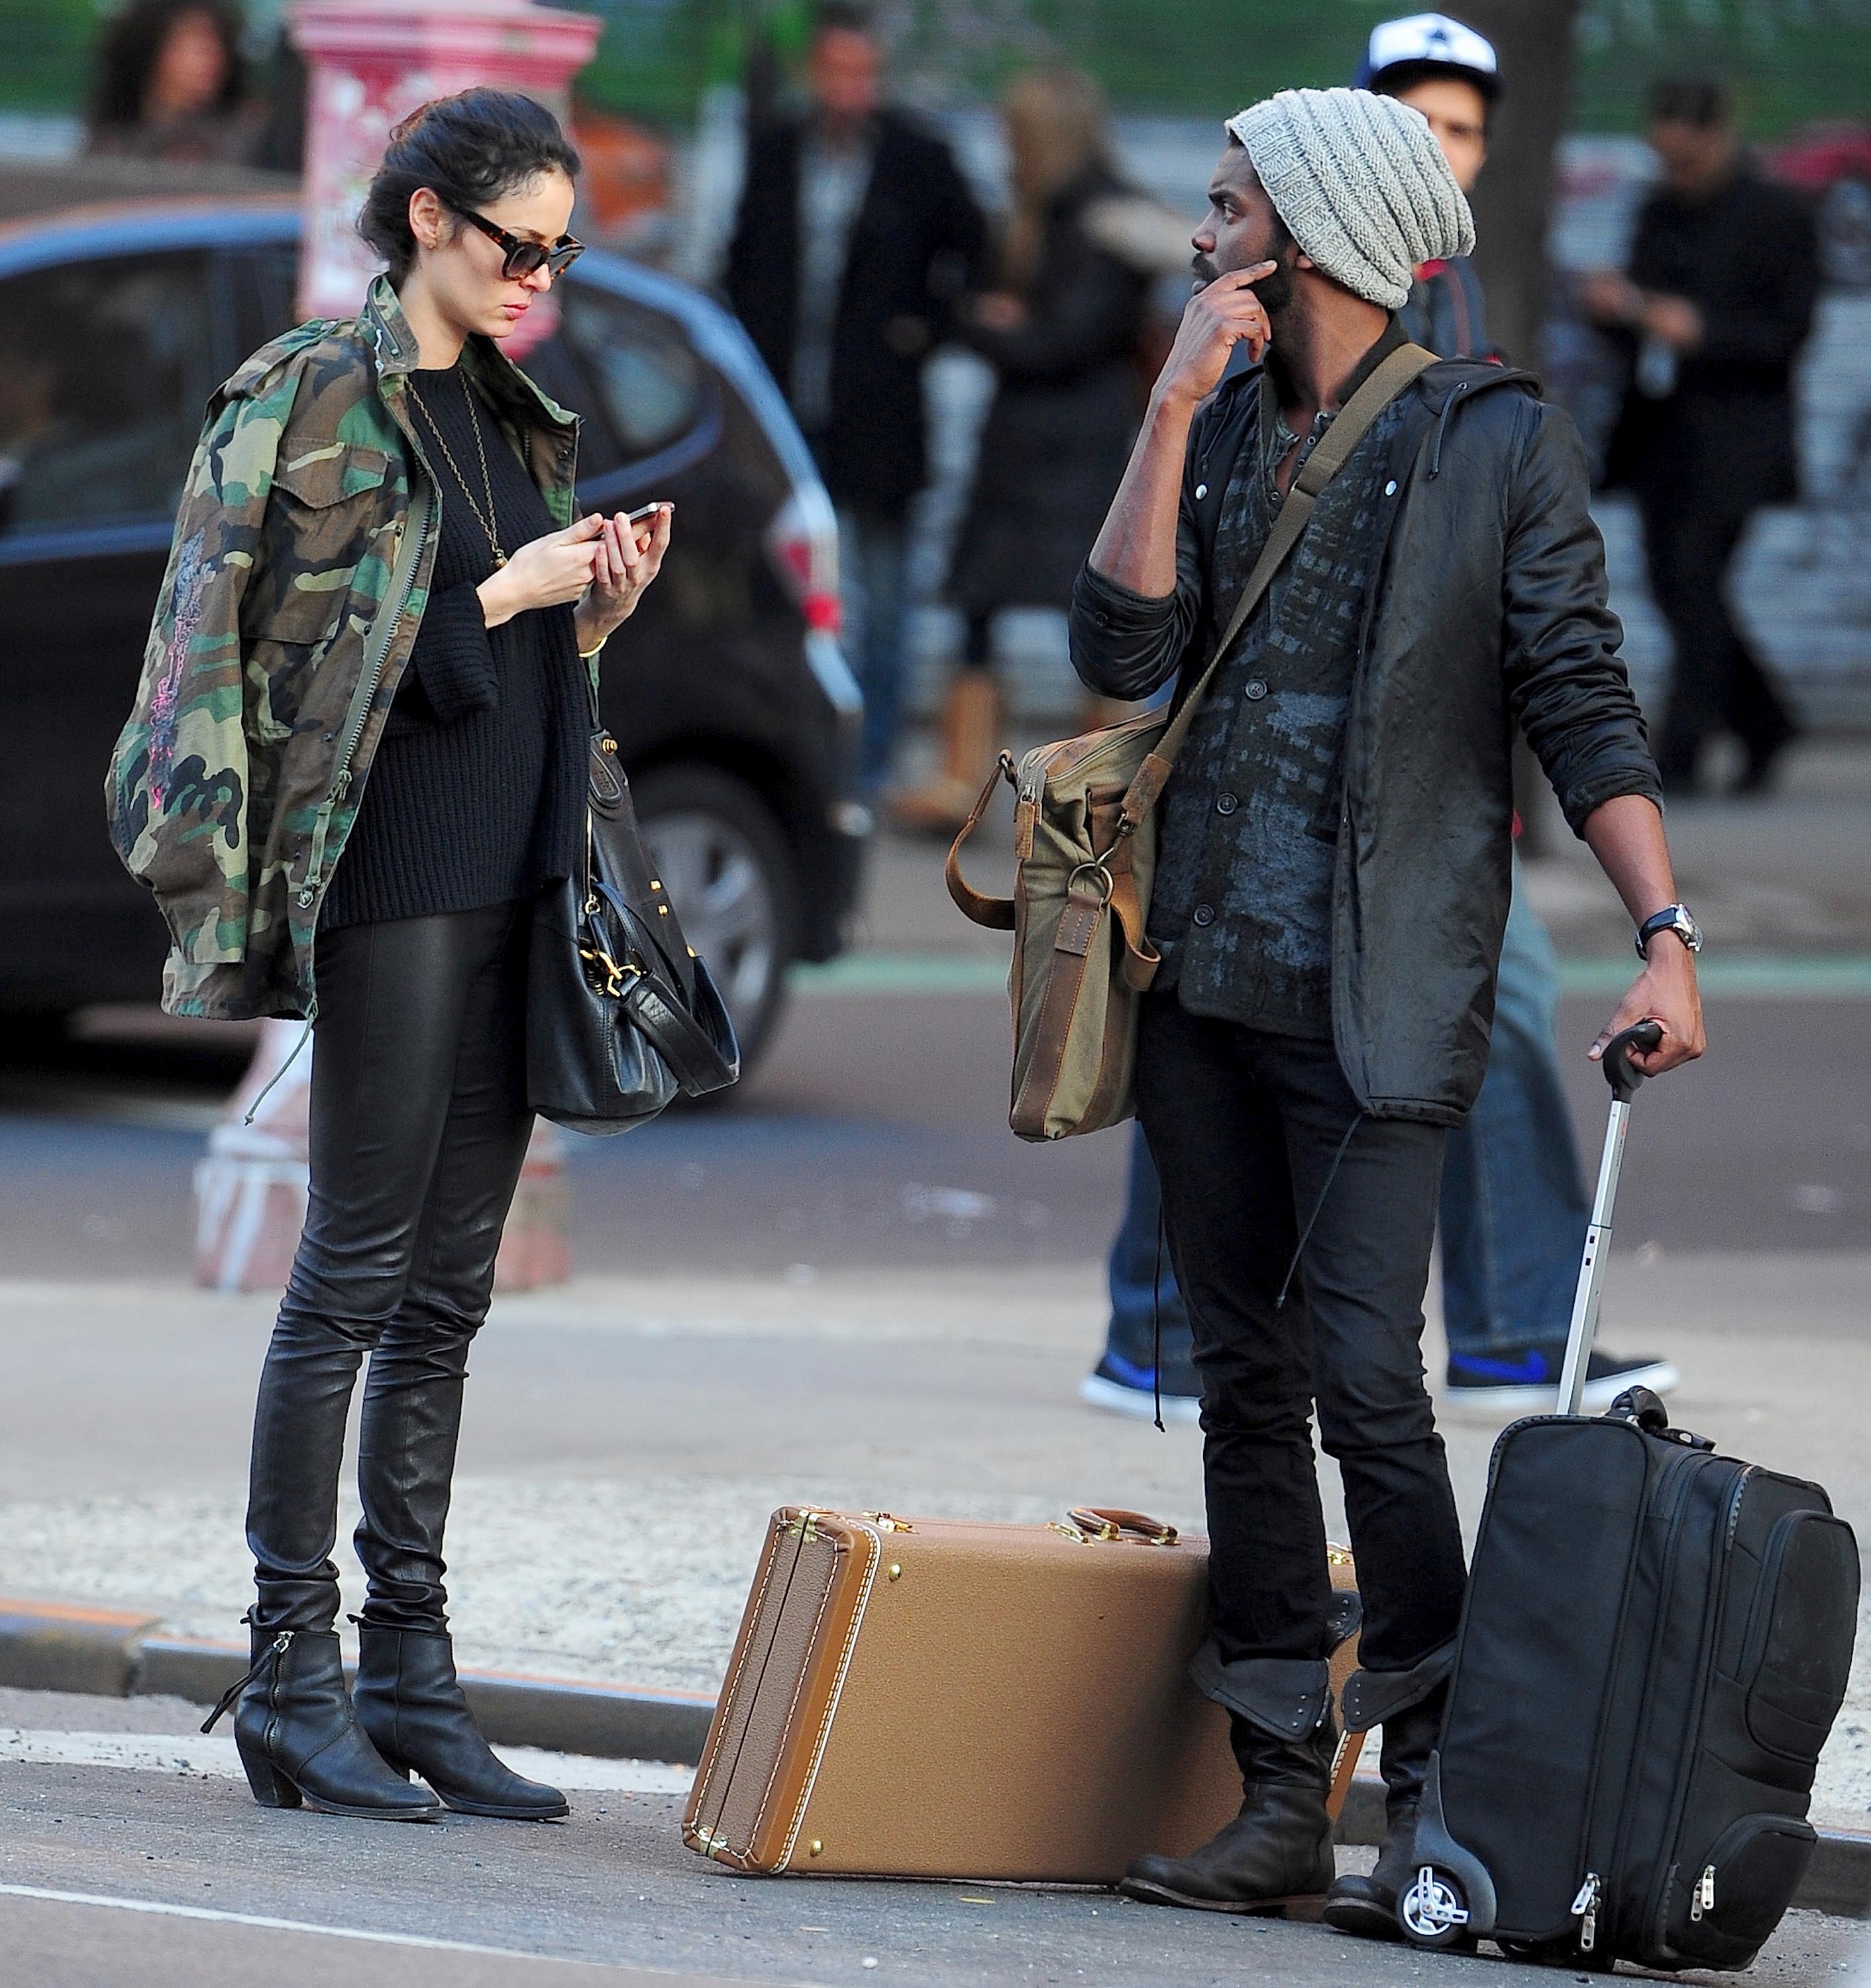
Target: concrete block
[{"x": 46, "y": 1646}]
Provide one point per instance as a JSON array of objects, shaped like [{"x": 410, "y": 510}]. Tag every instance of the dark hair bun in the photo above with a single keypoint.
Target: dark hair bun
[{"x": 469, "y": 150}]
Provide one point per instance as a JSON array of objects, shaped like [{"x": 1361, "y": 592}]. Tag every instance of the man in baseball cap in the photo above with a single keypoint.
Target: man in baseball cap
[
  {"x": 1447, "y": 71},
  {"x": 1331, "y": 884}
]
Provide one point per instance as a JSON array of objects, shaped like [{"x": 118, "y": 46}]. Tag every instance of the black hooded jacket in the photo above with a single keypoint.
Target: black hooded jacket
[
  {"x": 1489, "y": 612},
  {"x": 916, "y": 244}
]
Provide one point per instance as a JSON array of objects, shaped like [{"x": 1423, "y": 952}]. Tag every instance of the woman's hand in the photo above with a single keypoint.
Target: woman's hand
[
  {"x": 547, "y": 573},
  {"x": 627, "y": 557}
]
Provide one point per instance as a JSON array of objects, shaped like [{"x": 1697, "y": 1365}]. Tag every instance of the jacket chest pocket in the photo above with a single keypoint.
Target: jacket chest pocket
[{"x": 327, "y": 515}]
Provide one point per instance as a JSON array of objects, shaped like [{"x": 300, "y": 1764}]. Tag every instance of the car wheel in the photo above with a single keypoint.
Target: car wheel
[{"x": 726, "y": 865}]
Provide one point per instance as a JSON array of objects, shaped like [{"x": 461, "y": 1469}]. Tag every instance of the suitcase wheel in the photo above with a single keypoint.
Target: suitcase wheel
[{"x": 1434, "y": 1911}]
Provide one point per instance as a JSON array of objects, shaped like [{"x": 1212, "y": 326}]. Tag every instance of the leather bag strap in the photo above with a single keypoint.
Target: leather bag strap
[
  {"x": 1387, "y": 379},
  {"x": 997, "y": 914}
]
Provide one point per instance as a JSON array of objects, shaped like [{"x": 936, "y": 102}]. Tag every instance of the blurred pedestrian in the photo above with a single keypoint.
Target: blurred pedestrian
[
  {"x": 1448, "y": 73},
  {"x": 1332, "y": 877},
  {"x": 856, "y": 234},
  {"x": 171, "y": 84},
  {"x": 1715, "y": 307},
  {"x": 1514, "y": 1205},
  {"x": 1062, "y": 332},
  {"x": 394, "y": 811},
  {"x": 1514, "y": 1209}
]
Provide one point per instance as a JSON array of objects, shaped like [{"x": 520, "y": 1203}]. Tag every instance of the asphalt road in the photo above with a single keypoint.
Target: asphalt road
[
  {"x": 613, "y": 1887},
  {"x": 875, "y": 1110},
  {"x": 874, "y": 1139}
]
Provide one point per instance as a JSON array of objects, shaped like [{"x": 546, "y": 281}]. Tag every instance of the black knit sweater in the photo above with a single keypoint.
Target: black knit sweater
[{"x": 477, "y": 794}]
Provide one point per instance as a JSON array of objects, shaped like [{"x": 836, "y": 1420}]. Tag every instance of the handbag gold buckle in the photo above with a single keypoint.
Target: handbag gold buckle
[{"x": 617, "y": 977}]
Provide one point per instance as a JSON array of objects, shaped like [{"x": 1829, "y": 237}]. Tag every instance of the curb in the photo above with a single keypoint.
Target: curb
[{"x": 111, "y": 1653}]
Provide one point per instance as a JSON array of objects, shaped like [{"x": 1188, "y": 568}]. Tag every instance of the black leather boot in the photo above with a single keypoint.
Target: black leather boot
[
  {"x": 1366, "y": 1904},
  {"x": 1276, "y": 1853},
  {"x": 299, "y": 1741},
  {"x": 411, "y": 1704}
]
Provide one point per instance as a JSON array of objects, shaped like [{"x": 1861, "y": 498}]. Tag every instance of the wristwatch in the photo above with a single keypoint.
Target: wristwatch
[{"x": 1671, "y": 919}]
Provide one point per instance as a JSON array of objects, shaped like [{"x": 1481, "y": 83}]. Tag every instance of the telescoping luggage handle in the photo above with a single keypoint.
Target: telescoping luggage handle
[{"x": 1625, "y": 1079}]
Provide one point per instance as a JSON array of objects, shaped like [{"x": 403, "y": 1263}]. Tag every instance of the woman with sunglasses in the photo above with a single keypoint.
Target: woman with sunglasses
[{"x": 361, "y": 746}]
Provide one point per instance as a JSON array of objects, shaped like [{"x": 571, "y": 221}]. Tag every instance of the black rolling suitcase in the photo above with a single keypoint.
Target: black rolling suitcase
[{"x": 1656, "y": 1641}]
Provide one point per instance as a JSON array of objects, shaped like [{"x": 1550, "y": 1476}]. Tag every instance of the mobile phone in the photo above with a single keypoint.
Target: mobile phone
[{"x": 644, "y": 511}]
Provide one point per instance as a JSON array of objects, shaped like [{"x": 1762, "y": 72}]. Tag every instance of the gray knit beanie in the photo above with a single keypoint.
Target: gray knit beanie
[{"x": 1361, "y": 183}]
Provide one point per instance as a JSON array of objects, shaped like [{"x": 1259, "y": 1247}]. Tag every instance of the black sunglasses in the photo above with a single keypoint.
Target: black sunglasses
[{"x": 524, "y": 258}]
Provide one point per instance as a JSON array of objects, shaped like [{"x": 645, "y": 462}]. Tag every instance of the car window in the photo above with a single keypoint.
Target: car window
[
  {"x": 645, "y": 372},
  {"x": 104, "y": 369}
]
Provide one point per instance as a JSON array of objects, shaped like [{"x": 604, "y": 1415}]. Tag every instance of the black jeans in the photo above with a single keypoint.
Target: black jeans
[
  {"x": 1717, "y": 682},
  {"x": 419, "y": 1128},
  {"x": 1245, "y": 1127}
]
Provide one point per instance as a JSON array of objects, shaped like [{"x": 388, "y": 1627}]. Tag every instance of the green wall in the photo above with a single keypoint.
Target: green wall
[{"x": 1791, "y": 61}]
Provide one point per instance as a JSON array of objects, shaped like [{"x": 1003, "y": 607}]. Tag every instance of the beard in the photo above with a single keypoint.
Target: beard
[{"x": 1275, "y": 290}]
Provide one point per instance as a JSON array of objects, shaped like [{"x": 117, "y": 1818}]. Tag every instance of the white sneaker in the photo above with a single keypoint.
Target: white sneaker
[
  {"x": 1525, "y": 1381},
  {"x": 1124, "y": 1390}
]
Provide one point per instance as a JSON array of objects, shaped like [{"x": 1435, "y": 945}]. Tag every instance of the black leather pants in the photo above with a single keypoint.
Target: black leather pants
[{"x": 419, "y": 1127}]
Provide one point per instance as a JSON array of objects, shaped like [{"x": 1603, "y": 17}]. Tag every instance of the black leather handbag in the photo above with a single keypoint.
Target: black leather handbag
[{"x": 622, "y": 1014}]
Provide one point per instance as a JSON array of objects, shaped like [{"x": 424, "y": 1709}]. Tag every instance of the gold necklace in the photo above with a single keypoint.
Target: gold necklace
[{"x": 485, "y": 518}]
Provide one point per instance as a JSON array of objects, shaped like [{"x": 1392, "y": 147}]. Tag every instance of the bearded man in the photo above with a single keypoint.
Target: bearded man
[{"x": 1332, "y": 883}]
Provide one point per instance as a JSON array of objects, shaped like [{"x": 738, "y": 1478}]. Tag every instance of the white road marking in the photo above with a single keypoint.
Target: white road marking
[
  {"x": 192, "y": 1754},
  {"x": 166, "y": 1911},
  {"x": 632, "y": 1972}
]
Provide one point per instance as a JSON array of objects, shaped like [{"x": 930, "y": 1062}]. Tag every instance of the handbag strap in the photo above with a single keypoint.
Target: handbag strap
[{"x": 1387, "y": 379}]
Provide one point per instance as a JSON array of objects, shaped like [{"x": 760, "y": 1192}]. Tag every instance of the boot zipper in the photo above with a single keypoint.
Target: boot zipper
[
  {"x": 271, "y": 1655},
  {"x": 1584, "y": 1909},
  {"x": 1704, "y": 1899}
]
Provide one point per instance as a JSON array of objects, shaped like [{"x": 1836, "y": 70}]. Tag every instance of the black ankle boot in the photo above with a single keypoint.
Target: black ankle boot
[
  {"x": 411, "y": 1704},
  {"x": 1276, "y": 1853},
  {"x": 1366, "y": 1904},
  {"x": 297, "y": 1737}
]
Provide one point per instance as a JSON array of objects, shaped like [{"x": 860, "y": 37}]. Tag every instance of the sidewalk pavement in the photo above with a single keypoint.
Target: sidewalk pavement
[{"x": 625, "y": 1440}]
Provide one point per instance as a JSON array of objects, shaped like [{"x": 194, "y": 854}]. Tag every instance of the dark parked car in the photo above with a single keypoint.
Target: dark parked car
[{"x": 727, "y": 691}]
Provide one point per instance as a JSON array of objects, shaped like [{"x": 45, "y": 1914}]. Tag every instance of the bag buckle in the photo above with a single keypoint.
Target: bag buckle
[
  {"x": 1096, "y": 868},
  {"x": 615, "y": 977}
]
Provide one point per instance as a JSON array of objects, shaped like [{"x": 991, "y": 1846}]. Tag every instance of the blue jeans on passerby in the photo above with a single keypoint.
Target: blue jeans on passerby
[
  {"x": 1515, "y": 1206},
  {"x": 873, "y": 561},
  {"x": 1144, "y": 1287}
]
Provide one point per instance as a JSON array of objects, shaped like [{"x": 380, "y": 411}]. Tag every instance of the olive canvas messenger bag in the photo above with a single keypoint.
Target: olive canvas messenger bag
[{"x": 1084, "y": 846}]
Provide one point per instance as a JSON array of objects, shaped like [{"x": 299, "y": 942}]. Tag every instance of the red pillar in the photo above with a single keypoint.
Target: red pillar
[{"x": 368, "y": 67}]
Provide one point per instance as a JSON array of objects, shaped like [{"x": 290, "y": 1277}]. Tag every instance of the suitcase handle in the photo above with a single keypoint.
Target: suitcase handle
[
  {"x": 1620, "y": 1072},
  {"x": 1644, "y": 1410},
  {"x": 1097, "y": 1523}
]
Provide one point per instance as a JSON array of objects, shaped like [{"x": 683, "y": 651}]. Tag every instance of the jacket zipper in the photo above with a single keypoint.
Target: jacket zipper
[{"x": 360, "y": 711}]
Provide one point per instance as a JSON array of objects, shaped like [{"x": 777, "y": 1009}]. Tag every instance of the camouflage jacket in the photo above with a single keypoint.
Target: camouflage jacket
[{"x": 296, "y": 582}]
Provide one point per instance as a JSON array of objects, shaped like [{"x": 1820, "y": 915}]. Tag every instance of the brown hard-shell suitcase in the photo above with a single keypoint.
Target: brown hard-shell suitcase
[{"x": 946, "y": 1697}]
